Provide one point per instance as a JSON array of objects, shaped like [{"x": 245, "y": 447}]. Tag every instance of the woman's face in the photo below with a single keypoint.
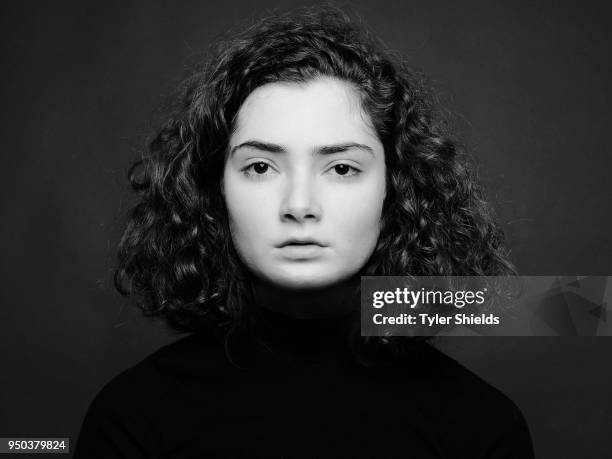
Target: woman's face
[{"x": 304, "y": 183}]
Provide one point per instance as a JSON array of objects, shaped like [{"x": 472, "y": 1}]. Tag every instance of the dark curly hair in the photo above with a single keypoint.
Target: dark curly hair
[{"x": 176, "y": 256}]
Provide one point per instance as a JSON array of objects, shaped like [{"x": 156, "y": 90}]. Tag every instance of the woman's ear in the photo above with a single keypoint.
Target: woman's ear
[{"x": 222, "y": 187}]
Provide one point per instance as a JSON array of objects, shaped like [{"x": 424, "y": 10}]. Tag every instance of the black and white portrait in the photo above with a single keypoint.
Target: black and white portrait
[{"x": 194, "y": 192}]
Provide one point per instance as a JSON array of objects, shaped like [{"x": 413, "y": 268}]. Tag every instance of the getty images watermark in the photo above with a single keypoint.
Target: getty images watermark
[{"x": 490, "y": 306}]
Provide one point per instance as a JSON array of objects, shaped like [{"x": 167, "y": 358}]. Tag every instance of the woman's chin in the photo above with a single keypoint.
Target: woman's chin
[{"x": 304, "y": 281}]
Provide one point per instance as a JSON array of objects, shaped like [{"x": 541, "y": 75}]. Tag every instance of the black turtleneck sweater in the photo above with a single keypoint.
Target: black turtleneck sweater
[{"x": 293, "y": 389}]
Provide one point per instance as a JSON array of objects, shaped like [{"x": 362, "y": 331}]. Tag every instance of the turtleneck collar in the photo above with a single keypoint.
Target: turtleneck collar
[
  {"x": 306, "y": 337},
  {"x": 276, "y": 340},
  {"x": 298, "y": 327}
]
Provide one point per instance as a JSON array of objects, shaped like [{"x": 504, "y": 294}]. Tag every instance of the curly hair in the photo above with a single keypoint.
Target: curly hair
[{"x": 176, "y": 256}]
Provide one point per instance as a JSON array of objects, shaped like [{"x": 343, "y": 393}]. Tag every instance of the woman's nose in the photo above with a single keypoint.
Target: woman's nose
[{"x": 300, "y": 202}]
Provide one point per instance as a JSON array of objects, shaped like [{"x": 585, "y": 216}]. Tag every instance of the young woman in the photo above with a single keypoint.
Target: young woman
[{"x": 298, "y": 158}]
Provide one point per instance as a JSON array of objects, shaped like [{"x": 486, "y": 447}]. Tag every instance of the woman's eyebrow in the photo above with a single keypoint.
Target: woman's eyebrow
[
  {"x": 322, "y": 150},
  {"x": 257, "y": 145},
  {"x": 340, "y": 147}
]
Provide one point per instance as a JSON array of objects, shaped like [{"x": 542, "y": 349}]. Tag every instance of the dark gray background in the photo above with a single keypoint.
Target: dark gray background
[{"x": 530, "y": 85}]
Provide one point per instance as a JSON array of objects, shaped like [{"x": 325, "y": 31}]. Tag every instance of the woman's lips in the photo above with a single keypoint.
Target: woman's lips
[{"x": 301, "y": 251}]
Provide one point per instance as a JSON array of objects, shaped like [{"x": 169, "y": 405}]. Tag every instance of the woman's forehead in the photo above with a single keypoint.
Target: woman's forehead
[{"x": 320, "y": 111}]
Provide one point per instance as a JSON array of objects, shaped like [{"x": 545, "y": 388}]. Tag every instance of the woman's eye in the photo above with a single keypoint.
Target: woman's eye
[
  {"x": 345, "y": 170},
  {"x": 258, "y": 168}
]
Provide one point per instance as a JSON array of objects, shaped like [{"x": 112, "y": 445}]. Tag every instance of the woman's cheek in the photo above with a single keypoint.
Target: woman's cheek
[{"x": 361, "y": 207}]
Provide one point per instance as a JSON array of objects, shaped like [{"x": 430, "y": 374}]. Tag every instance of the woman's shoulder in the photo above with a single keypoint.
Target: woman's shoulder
[
  {"x": 454, "y": 385},
  {"x": 473, "y": 411},
  {"x": 124, "y": 415},
  {"x": 146, "y": 386},
  {"x": 194, "y": 355}
]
